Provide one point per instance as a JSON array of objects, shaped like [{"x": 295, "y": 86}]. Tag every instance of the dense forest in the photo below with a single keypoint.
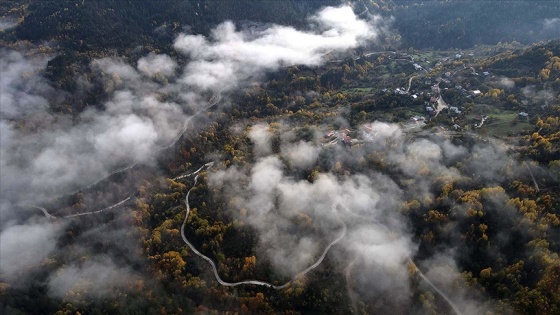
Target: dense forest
[
  {"x": 463, "y": 24},
  {"x": 331, "y": 185},
  {"x": 94, "y": 25}
]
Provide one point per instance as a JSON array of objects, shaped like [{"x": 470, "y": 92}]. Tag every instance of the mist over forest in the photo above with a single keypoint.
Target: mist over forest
[{"x": 298, "y": 157}]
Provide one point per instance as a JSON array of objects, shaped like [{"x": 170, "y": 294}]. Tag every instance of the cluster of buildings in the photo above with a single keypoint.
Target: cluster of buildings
[
  {"x": 335, "y": 136},
  {"x": 455, "y": 110},
  {"x": 436, "y": 104}
]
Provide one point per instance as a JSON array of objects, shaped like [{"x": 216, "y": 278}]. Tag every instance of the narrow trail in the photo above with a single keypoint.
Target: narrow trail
[
  {"x": 410, "y": 82},
  {"x": 364, "y": 12},
  {"x": 348, "y": 277},
  {"x": 88, "y": 186},
  {"x": 532, "y": 176},
  {"x": 440, "y": 101},
  {"x": 441, "y": 293},
  {"x": 253, "y": 282}
]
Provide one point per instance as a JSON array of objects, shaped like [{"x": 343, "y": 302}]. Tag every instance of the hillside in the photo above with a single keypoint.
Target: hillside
[{"x": 296, "y": 160}]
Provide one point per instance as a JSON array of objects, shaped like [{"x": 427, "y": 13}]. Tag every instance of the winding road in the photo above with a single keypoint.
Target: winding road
[
  {"x": 215, "y": 99},
  {"x": 441, "y": 293},
  {"x": 45, "y": 212},
  {"x": 440, "y": 101},
  {"x": 98, "y": 211},
  {"x": 351, "y": 294},
  {"x": 253, "y": 282},
  {"x": 410, "y": 82},
  {"x": 347, "y": 272},
  {"x": 532, "y": 176},
  {"x": 52, "y": 217}
]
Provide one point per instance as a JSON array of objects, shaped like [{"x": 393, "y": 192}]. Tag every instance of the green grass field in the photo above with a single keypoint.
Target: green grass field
[
  {"x": 358, "y": 90},
  {"x": 506, "y": 123}
]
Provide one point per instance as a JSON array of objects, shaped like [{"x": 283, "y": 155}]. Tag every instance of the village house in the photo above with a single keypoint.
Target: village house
[
  {"x": 454, "y": 110},
  {"x": 480, "y": 118},
  {"x": 476, "y": 92},
  {"x": 400, "y": 91}
]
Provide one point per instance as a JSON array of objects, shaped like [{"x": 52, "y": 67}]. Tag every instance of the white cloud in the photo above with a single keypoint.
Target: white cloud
[
  {"x": 153, "y": 64},
  {"x": 233, "y": 56},
  {"x": 261, "y": 138},
  {"x": 25, "y": 246},
  {"x": 301, "y": 155},
  {"x": 93, "y": 278}
]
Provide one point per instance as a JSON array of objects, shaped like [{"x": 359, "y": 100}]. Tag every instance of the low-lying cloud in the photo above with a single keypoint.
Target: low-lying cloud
[
  {"x": 231, "y": 57},
  {"x": 24, "y": 246},
  {"x": 142, "y": 109},
  {"x": 147, "y": 106},
  {"x": 97, "y": 278},
  {"x": 296, "y": 217}
]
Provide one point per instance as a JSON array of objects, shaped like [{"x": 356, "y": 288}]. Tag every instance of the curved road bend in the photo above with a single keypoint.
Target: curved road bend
[
  {"x": 52, "y": 217},
  {"x": 254, "y": 282},
  {"x": 45, "y": 212},
  {"x": 410, "y": 82}
]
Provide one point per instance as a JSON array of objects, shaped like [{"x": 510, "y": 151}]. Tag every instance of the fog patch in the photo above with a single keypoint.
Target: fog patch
[
  {"x": 7, "y": 23},
  {"x": 229, "y": 57},
  {"x": 94, "y": 278},
  {"x": 261, "y": 138},
  {"x": 25, "y": 246},
  {"x": 153, "y": 65},
  {"x": 506, "y": 83},
  {"x": 301, "y": 155}
]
